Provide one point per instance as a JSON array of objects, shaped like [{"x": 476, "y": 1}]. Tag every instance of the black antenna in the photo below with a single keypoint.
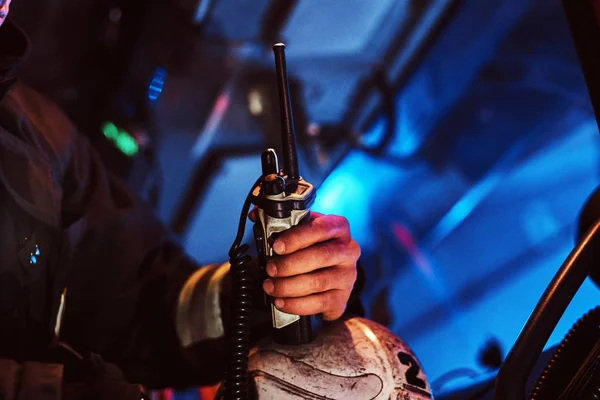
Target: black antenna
[{"x": 288, "y": 133}]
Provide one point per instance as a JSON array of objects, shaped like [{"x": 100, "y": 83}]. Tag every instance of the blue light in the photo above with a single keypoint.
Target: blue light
[
  {"x": 462, "y": 209},
  {"x": 351, "y": 191},
  {"x": 330, "y": 197},
  {"x": 375, "y": 133},
  {"x": 406, "y": 139},
  {"x": 539, "y": 221},
  {"x": 157, "y": 84},
  {"x": 33, "y": 259}
]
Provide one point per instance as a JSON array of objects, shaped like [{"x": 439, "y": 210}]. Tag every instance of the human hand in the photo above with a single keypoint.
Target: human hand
[{"x": 315, "y": 267}]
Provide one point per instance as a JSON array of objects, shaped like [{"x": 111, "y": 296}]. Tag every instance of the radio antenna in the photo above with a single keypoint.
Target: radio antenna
[{"x": 288, "y": 133}]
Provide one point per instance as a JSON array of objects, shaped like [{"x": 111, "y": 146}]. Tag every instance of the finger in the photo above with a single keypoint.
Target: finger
[
  {"x": 253, "y": 215},
  {"x": 335, "y": 314},
  {"x": 315, "y": 282},
  {"x": 322, "y": 255},
  {"x": 331, "y": 304},
  {"x": 319, "y": 229}
]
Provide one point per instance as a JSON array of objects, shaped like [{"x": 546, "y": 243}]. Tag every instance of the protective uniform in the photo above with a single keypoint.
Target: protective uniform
[
  {"x": 71, "y": 231},
  {"x": 81, "y": 253},
  {"x": 67, "y": 224}
]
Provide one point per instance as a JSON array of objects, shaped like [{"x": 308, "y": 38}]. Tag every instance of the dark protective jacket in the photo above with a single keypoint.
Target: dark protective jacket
[{"x": 65, "y": 222}]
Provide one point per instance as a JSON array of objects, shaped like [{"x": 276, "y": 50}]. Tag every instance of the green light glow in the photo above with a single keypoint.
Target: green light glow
[
  {"x": 123, "y": 140},
  {"x": 127, "y": 144},
  {"x": 110, "y": 130}
]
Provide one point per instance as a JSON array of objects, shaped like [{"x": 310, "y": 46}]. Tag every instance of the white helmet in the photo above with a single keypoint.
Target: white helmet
[{"x": 351, "y": 359}]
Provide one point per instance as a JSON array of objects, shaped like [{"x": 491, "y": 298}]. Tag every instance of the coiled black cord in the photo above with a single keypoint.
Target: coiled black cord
[{"x": 242, "y": 289}]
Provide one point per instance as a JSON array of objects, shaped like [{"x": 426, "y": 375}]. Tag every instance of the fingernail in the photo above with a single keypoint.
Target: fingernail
[
  {"x": 279, "y": 303},
  {"x": 271, "y": 269},
  {"x": 279, "y": 247},
  {"x": 268, "y": 286}
]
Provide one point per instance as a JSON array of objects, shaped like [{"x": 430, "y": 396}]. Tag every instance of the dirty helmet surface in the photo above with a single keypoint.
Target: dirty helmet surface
[{"x": 351, "y": 359}]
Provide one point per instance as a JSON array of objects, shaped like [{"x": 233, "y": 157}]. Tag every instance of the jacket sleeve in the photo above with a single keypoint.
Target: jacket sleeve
[
  {"x": 131, "y": 290},
  {"x": 130, "y": 285},
  {"x": 125, "y": 279}
]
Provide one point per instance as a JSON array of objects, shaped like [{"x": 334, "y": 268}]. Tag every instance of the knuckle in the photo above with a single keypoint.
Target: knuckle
[
  {"x": 326, "y": 253},
  {"x": 344, "y": 223},
  {"x": 316, "y": 222},
  {"x": 318, "y": 282},
  {"x": 346, "y": 252},
  {"x": 328, "y": 281}
]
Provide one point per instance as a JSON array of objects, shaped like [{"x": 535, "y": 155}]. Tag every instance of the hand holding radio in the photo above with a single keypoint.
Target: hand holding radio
[
  {"x": 307, "y": 261},
  {"x": 315, "y": 267}
]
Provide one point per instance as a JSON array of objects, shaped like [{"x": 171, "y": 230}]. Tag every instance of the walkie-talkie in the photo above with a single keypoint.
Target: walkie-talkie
[{"x": 283, "y": 200}]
